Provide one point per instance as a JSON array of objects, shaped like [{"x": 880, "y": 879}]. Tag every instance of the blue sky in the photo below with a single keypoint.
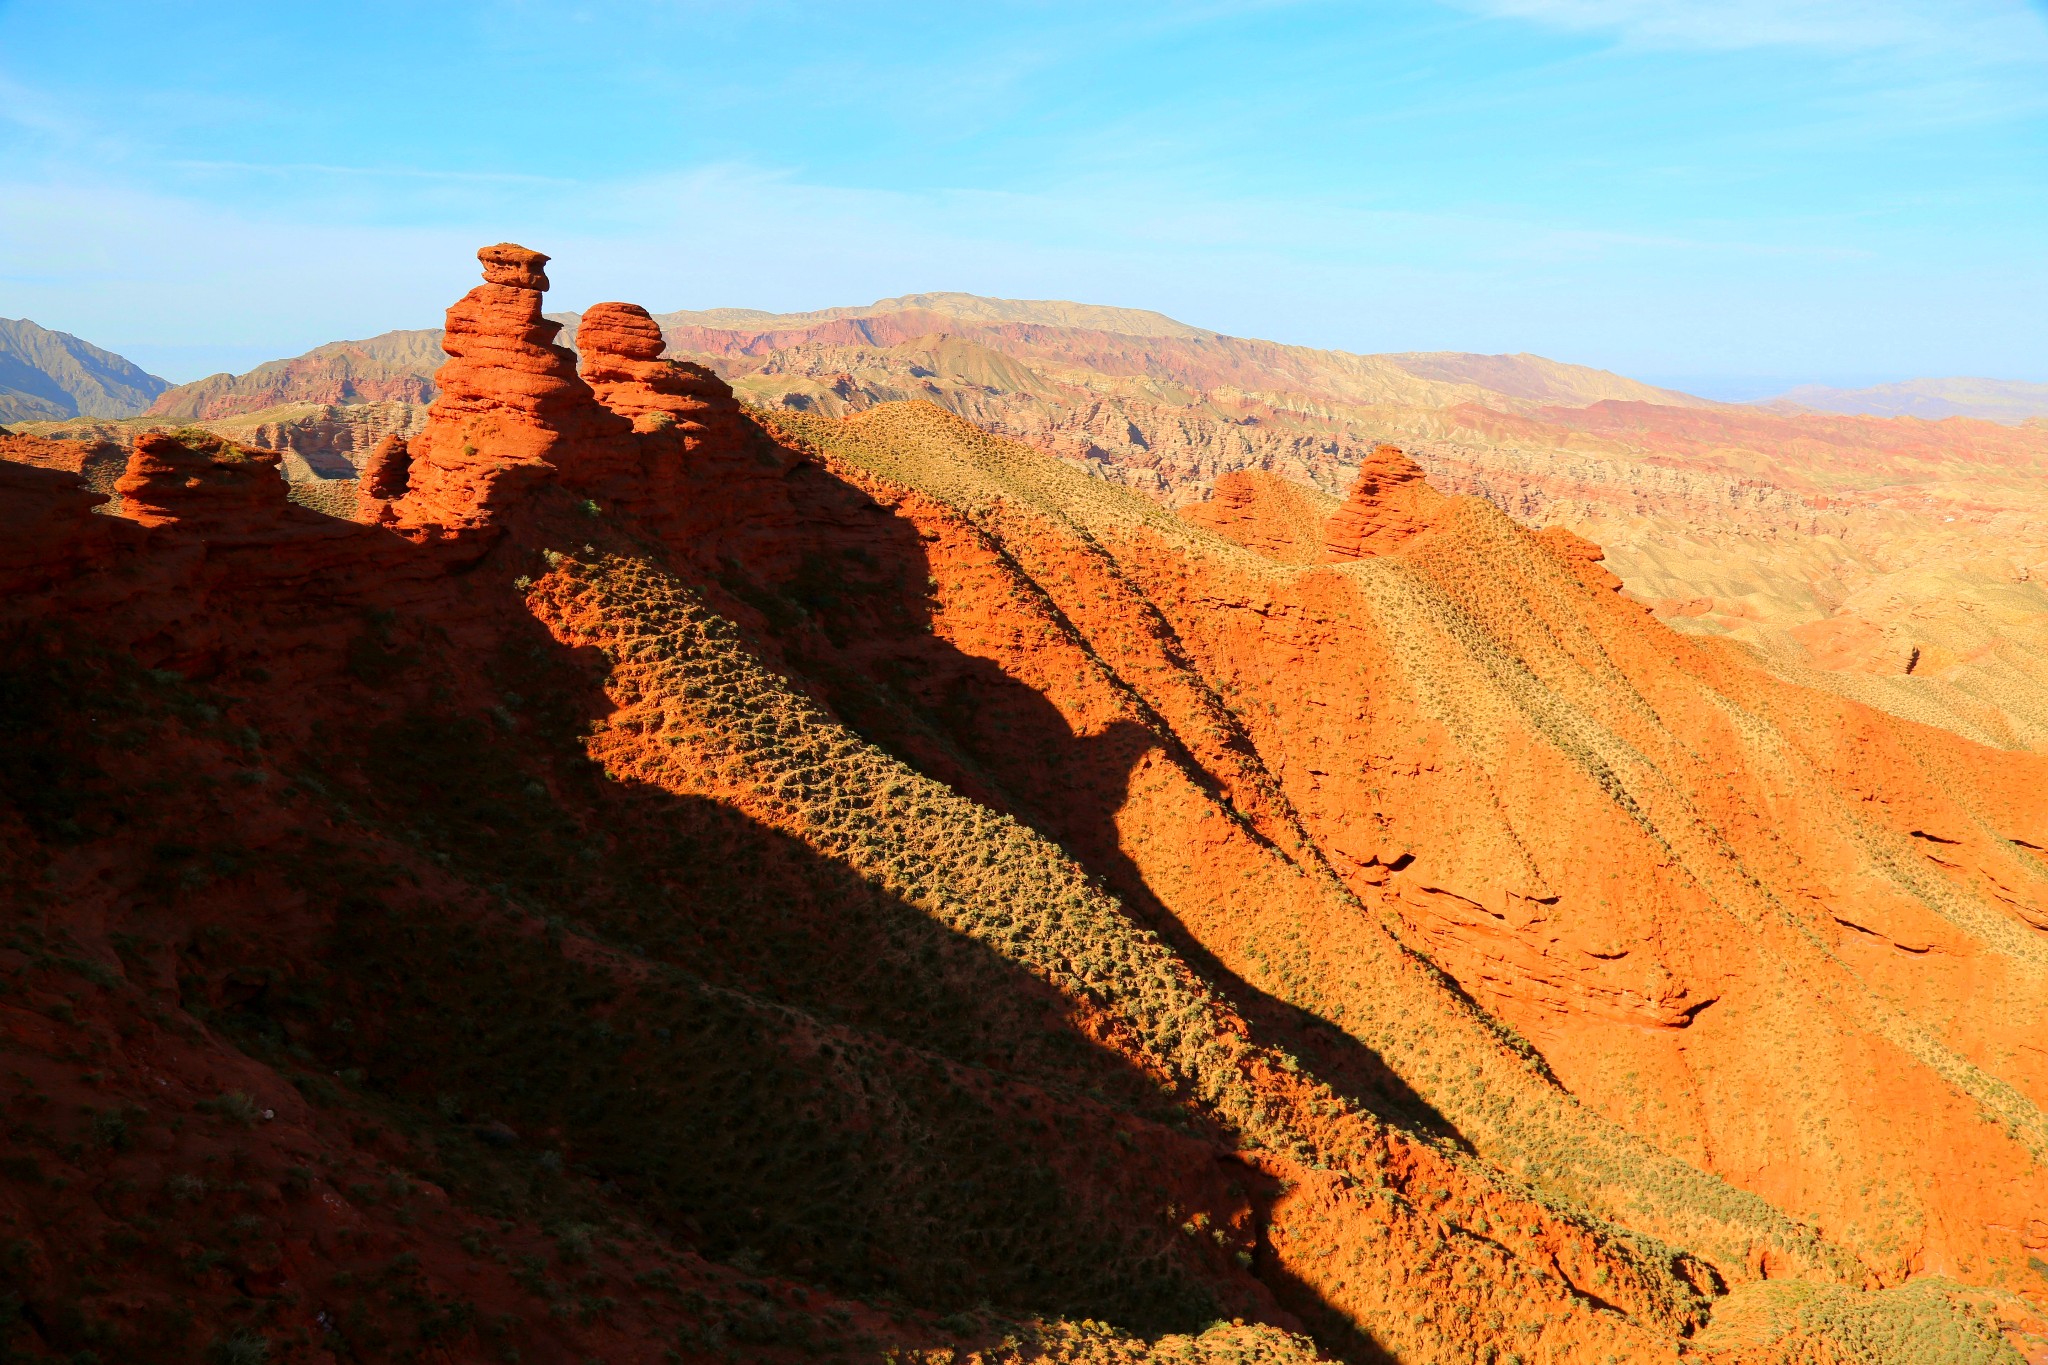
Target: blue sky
[{"x": 1730, "y": 195}]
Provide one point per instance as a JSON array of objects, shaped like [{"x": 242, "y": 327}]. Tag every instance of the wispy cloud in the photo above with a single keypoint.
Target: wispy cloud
[
  {"x": 319, "y": 168},
  {"x": 1672, "y": 186},
  {"x": 2003, "y": 31}
]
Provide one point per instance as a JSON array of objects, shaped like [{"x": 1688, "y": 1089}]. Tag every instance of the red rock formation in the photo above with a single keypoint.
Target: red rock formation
[
  {"x": 385, "y": 478},
  {"x": 1582, "y": 555},
  {"x": 621, "y": 349},
  {"x": 924, "y": 846},
  {"x": 514, "y": 266},
  {"x": 1390, "y": 504},
  {"x": 682, "y": 414},
  {"x": 389, "y": 471},
  {"x": 202, "y": 484},
  {"x": 510, "y": 411},
  {"x": 1266, "y": 514},
  {"x": 47, "y": 530},
  {"x": 34, "y": 450}
]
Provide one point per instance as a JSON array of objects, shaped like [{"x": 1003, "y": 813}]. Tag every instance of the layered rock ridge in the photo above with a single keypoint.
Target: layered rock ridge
[
  {"x": 1272, "y": 516},
  {"x": 513, "y": 410}
]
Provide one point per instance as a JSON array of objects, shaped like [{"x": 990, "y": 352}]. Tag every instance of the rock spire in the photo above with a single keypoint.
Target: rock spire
[{"x": 511, "y": 409}]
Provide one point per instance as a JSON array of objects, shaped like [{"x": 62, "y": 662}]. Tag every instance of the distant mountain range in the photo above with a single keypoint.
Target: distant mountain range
[
  {"x": 48, "y": 376},
  {"x": 52, "y": 376},
  {"x": 1994, "y": 400},
  {"x": 393, "y": 367},
  {"x": 962, "y": 350}
]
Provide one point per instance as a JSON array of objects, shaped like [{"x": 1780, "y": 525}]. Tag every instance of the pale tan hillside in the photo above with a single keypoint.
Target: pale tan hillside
[
  {"x": 1136, "y": 322},
  {"x": 1839, "y": 549},
  {"x": 1539, "y": 380},
  {"x": 1899, "y": 562}
]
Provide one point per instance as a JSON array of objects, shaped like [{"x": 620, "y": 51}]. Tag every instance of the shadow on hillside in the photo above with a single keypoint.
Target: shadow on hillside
[
  {"x": 849, "y": 614},
  {"x": 732, "y": 1035},
  {"x": 854, "y": 619},
  {"x": 781, "y": 1063}
]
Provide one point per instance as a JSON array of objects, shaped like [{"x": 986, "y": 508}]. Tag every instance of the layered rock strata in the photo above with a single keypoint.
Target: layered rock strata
[
  {"x": 207, "y": 485},
  {"x": 680, "y": 411},
  {"x": 48, "y": 532},
  {"x": 513, "y": 412},
  {"x": 1265, "y": 513},
  {"x": 1390, "y": 503},
  {"x": 510, "y": 410},
  {"x": 386, "y": 477}
]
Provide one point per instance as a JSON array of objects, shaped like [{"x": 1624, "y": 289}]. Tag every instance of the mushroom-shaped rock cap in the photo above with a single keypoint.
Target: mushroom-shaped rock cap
[
  {"x": 509, "y": 263},
  {"x": 621, "y": 329}
]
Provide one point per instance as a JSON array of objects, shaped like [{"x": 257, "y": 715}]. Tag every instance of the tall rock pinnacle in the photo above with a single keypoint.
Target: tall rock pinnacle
[{"x": 511, "y": 409}]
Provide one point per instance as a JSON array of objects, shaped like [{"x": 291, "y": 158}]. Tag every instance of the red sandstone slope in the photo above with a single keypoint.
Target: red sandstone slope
[
  {"x": 1280, "y": 520},
  {"x": 1697, "y": 891},
  {"x": 1839, "y": 549},
  {"x": 1571, "y": 795},
  {"x": 663, "y": 883}
]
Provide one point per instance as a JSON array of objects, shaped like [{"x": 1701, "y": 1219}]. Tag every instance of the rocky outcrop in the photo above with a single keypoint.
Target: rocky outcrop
[
  {"x": 97, "y": 460},
  {"x": 388, "y": 472},
  {"x": 203, "y": 484},
  {"x": 44, "y": 454},
  {"x": 514, "y": 267},
  {"x": 47, "y": 528},
  {"x": 621, "y": 347},
  {"x": 514, "y": 413},
  {"x": 511, "y": 410},
  {"x": 1390, "y": 504},
  {"x": 1266, "y": 514},
  {"x": 1582, "y": 556},
  {"x": 386, "y": 477},
  {"x": 682, "y": 414}
]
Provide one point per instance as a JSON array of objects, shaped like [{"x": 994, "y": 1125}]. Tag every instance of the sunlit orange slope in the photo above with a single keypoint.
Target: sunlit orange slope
[{"x": 1788, "y": 939}]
